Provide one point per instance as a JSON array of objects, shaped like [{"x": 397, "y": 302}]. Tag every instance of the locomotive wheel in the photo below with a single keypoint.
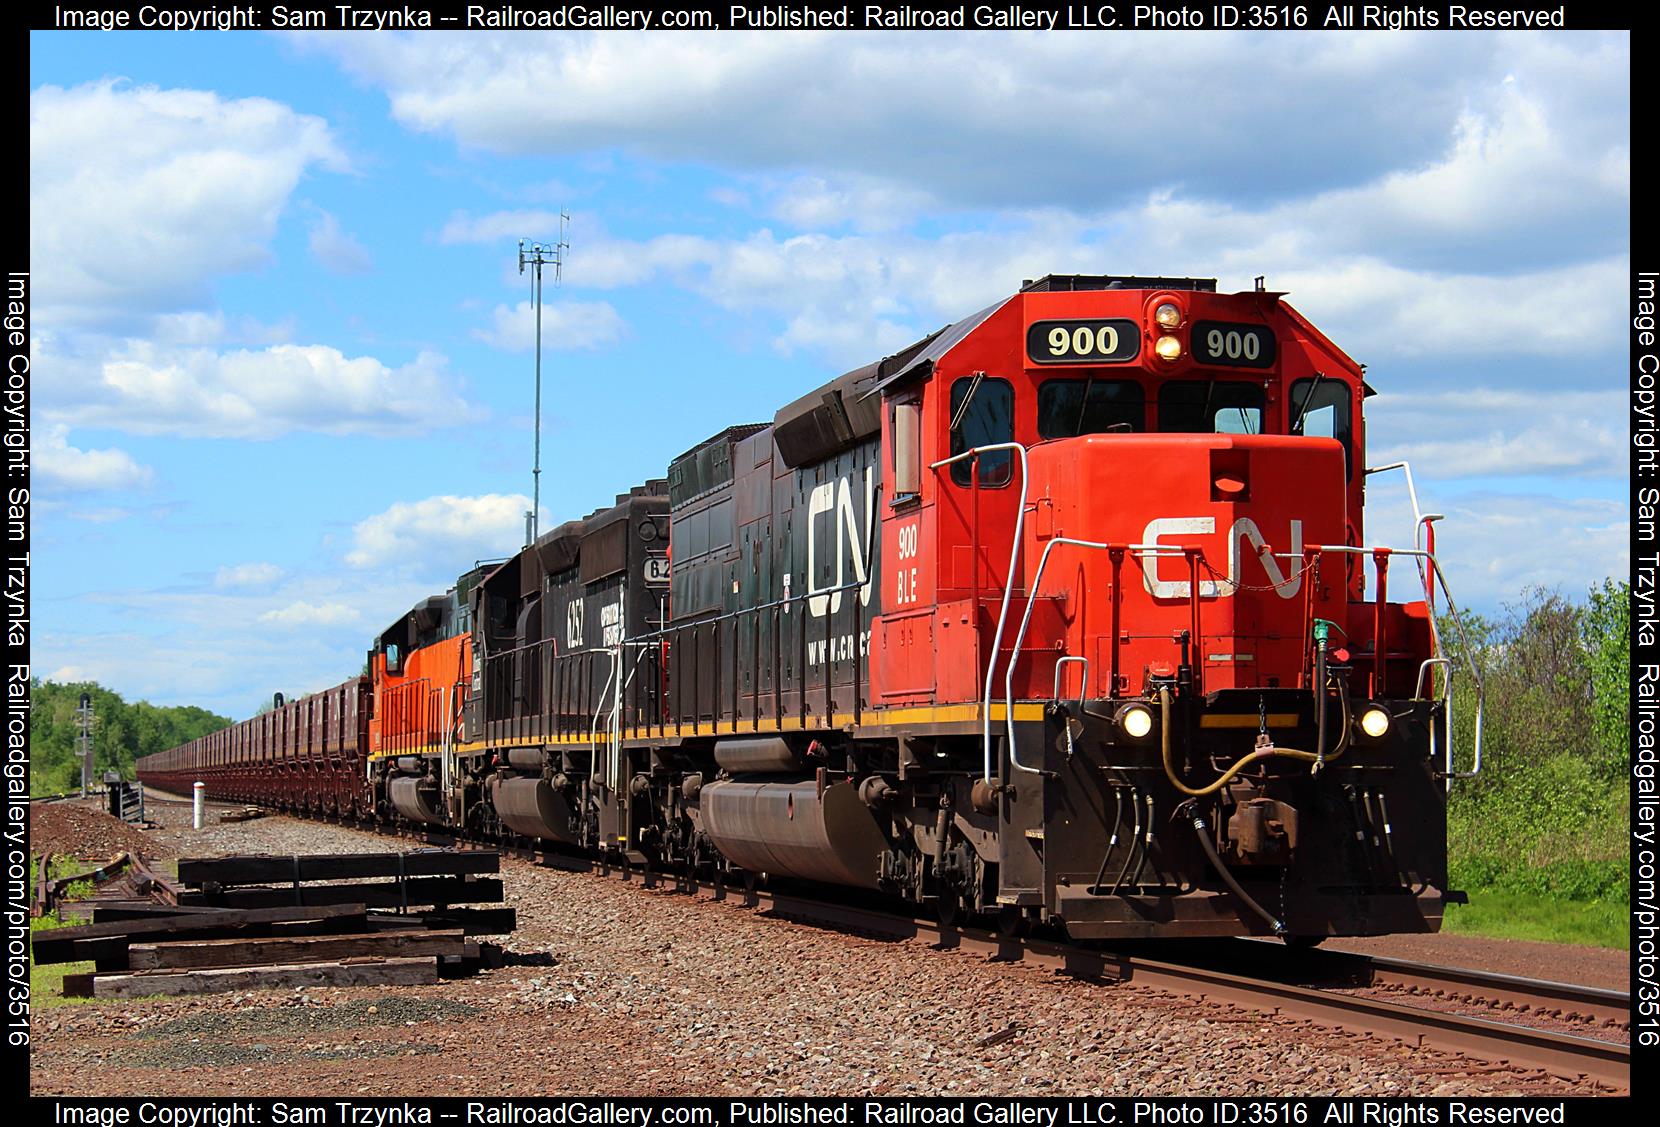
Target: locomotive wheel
[
  {"x": 1012, "y": 922},
  {"x": 1304, "y": 942},
  {"x": 948, "y": 907}
]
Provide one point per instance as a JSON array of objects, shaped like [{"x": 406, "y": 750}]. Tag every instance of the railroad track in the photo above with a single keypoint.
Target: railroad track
[
  {"x": 1608, "y": 1063},
  {"x": 1588, "y": 1006},
  {"x": 1194, "y": 972},
  {"x": 1561, "y": 1054},
  {"x": 1566, "y": 1001}
]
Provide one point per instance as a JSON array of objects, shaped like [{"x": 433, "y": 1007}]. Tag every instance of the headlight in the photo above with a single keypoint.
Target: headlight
[
  {"x": 1374, "y": 721},
  {"x": 1167, "y": 315},
  {"x": 1168, "y": 348},
  {"x": 1134, "y": 720}
]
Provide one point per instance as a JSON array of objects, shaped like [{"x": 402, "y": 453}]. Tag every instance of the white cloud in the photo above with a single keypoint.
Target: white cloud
[
  {"x": 308, "y": 631},
  {"x": 565, "y": 326},
  {"x": 61, "y": 466},
  {"x": 1382, "y": 308},
  {"x": 311, "y": 614},
  {"x": 1486, "y": 175},
  {"x": 1489, "y": 432},
  {"x": 139, "y": 196},
  {"x": 841, "y": 292},
  {"x": 178, "y": 669},
  {"x": 337, "y": 250},
  {"x": 248, "y": 575},
  {"x": 605, "y": 262},
  {"x": 147, "y": 388},
  {"x": 860, "y": 201},
  {"x": 500, "y": 226},
  {"x": 975, "y": 118},
  {"x": 1494, "y": 545},
  {"x": 446, "y": 527}
]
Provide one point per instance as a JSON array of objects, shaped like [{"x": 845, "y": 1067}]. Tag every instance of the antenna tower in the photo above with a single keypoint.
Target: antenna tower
[{"x": 536, "y": 255}]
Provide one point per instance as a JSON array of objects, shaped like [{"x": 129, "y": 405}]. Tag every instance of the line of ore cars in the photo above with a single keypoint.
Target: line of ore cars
[{"x": 1062, "y": 614}]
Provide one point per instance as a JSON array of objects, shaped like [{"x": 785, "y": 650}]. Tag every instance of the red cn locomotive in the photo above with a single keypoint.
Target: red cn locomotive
[{"x": 1063, "y": 614}]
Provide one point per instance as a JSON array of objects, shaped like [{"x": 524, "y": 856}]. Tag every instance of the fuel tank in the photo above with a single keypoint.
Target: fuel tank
[
  {"x": 416, "y": 798},
  {"x": 534, "y": 808},
  {"x": 789, "y": 829},
  {"x": 764, "y": 756}
]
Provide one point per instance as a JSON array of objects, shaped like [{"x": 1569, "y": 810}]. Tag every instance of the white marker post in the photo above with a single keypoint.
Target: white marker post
[{"x": 201, "y": 802}]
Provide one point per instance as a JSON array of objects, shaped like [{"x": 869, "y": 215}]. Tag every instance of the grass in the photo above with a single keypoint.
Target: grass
[
  {"x": 1500, "y": 914},
  {"x": 1544, "y": 852},
  {"x": 46, "y": 981}
]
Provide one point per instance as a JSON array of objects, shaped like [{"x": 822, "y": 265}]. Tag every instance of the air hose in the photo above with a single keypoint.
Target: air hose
[
  {"x": 1209, "y": 847},
  {"x": 1245, "y": 760}
]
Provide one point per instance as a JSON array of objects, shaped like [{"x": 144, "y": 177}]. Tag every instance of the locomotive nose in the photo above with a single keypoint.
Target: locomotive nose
[{"x": 1212, "y": 529}]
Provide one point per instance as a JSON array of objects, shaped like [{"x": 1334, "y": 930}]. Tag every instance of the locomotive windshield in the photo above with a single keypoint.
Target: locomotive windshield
[
  {"x": 1068, "y": 408},
  {"x": 1211, "y": 407}
]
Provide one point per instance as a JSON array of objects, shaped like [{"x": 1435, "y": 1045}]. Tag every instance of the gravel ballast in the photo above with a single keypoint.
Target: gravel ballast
[{"x": 650, "y": 992}]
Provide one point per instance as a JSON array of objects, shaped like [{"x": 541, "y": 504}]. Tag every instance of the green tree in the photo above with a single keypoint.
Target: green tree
[
  {"x": 122, "y": 733},
  {"x": 1605, "y": 629}
]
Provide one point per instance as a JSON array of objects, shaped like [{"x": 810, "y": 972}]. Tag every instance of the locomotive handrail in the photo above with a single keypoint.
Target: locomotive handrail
[
  {"x": 1411, "y": 489},
  {"x": 1423, "y": 536},
  {"x": 1063, "y": 662},
  {"x": 672, "y": 634},
  {"x": 1008, "y": 588},
  {"x": 1020, "y": 638},
  {"x": 1427, "y": 557},
  {"x": 593, "y": 729},
  {"x": 1418, "y": 692}
]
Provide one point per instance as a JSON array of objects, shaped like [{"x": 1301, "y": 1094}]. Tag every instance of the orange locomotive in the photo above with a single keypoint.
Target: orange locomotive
[{"x": 1065, "y": 614}]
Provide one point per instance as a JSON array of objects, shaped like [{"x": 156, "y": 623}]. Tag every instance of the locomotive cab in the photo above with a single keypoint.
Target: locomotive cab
[{"x": 420, "y": 673}]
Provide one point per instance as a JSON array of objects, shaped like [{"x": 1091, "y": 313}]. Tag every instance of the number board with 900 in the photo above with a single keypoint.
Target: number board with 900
[
  {"x": 1233, "y": 345},
  {"x": 1083, "y": 342}
]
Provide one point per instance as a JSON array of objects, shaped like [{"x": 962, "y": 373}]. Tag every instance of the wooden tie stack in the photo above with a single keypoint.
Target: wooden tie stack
[{"x": 237, "y": 923}]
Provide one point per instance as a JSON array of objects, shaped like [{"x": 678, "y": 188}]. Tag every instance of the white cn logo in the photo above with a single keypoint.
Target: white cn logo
[
  {"x": 573, "y": 624},
  {"x": 837, "y": 496},
  {"x": 1244, "y": 529}
]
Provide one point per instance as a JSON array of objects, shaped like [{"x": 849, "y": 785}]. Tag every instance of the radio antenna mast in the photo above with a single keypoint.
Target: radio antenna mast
[{"x": 537, "y": 255}]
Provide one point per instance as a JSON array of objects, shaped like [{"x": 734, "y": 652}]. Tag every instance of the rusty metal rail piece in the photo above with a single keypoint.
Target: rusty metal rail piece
[{"x": 1597, "y": 1004}]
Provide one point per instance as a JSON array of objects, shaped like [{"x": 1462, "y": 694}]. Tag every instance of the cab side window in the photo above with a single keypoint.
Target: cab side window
[
  {"x": 1324, "y": 408},
  {"x": 982, "y": 414}
]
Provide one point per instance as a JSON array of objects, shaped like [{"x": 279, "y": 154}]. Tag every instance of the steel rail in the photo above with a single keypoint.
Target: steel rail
[
  {"x": 1590, "y": 1003},
  {"x": 1341, "y": 969}
]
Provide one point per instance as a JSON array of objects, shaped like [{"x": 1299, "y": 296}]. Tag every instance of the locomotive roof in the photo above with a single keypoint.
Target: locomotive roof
[
  {"x": 919, "y": 359},
  {"x": 1056, "y": 283}
]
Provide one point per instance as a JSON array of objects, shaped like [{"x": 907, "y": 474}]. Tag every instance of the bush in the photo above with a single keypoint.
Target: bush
[{"x": 1549, "y": 813}]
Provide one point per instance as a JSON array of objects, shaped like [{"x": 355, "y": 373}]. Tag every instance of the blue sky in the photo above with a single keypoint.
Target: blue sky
[{"x": 283, "y": 374}]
